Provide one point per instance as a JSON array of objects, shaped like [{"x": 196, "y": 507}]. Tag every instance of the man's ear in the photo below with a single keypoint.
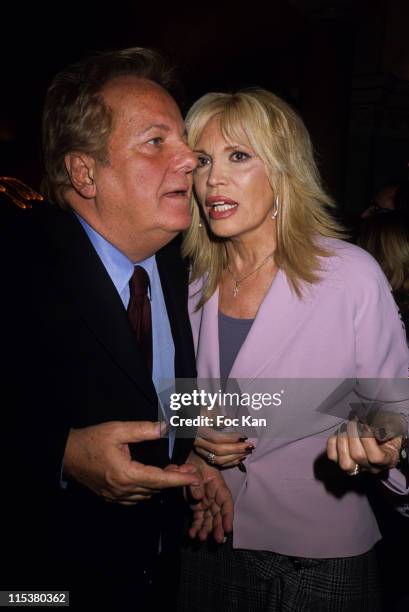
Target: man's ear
[{"x": 80, "y": 168}]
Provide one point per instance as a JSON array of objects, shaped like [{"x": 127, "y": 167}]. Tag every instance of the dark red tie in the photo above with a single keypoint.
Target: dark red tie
[{"x": 139, "y": 313}]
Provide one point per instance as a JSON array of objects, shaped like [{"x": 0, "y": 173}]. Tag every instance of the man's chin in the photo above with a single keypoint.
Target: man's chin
[
  {"x": 169, "y": 233},
  {"x": 179, "y": 225}
]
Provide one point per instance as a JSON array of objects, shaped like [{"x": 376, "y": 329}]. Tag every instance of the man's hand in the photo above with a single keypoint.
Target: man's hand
[
  {"x": 370, "y": 447},
  {"x": 211, "y": 503},
  {"x": 98, "y": 457}
]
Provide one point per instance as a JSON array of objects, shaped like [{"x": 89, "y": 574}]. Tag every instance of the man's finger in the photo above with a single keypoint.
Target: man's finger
[
  {"x": 196, "y": 492},
  {"x": 207, "y": 526},
  {"x": 156, "y": 478},
  {"x": 129, "y": 500},
  {"x": 185, "y": 468},
  {"x": 224, "y": 500},
  {"x": 139, "y": 431},
  {"x": 135, "y": 491},
  {"x": 196, "y": 524},
  {"x": 227, "y": 519},
  {"x": 218, "y": 529}
]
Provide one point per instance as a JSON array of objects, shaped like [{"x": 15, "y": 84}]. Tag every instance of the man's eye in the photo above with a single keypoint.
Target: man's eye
[
  {"x": 158, "y": 140},
  {"x": 202, "y": 161},
  {"x": 239, "y": 156}
]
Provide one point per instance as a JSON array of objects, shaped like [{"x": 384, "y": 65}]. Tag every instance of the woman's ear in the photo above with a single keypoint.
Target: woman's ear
[{"x": 80, "y": 168}]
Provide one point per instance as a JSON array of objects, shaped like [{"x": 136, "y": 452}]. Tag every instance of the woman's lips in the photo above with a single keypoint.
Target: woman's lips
[{"x": 221, "y": 207}]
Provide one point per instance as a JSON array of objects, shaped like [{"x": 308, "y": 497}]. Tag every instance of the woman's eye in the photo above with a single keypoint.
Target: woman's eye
[
  {"x": 239, "y": 156},
  {"x": 158, "y": 140},
  {"x": 202, "y": 161}
]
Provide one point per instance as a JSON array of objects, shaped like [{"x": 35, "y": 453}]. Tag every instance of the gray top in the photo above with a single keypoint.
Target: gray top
[{"x": 232, "y": 334}]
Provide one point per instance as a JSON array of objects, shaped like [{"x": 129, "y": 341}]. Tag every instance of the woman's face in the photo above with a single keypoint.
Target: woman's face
[{"x": 231, "y": 185}]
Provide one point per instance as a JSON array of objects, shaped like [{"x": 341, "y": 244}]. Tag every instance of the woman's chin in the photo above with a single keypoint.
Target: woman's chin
[{"x": 224, "y": 229}]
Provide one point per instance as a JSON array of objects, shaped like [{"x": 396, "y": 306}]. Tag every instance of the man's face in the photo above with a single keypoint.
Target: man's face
[{"x": 143, "y": 190}]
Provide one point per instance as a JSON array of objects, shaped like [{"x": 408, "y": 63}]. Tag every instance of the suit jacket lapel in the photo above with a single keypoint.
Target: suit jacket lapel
[
  {"x": 174, "y": 280},
  {"x": 85, "y": 282}
]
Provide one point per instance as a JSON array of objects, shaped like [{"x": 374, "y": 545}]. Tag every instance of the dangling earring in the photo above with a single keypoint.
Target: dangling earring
[
  {"x": 275, "y": 213},
  {"x": 200, "y": 224}
]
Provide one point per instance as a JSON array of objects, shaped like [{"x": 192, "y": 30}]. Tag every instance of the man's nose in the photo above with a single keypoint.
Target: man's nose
[{"x": 186, "y": 159}]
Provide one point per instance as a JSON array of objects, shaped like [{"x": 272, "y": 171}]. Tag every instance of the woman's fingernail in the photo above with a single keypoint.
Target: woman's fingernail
[
  {"x": 243, "y": 439},
  {"x": 242, "y": 467},
  {"x": 250, "y": 448}
]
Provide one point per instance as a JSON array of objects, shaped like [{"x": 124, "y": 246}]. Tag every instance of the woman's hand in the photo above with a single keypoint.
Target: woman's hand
[
  {"x": 222, "y": 449},
  {"x": 356, "y": 446}
]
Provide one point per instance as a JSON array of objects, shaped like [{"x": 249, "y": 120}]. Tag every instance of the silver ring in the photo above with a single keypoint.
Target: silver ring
[
  {"x": 355, "y": 471},
  {"x": 210, "y": 458}
]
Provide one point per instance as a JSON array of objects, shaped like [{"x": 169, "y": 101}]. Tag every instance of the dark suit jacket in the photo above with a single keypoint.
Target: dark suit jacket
[{"x": 72, "y": 361}]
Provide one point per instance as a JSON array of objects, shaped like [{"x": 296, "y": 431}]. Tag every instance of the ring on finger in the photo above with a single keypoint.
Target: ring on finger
[
  {"x": 355, "y": 471},
  {"x": 210, "y": 458}
]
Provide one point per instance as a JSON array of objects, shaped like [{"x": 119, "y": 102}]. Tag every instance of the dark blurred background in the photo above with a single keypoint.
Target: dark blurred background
[{"x": 344, "y": 64}]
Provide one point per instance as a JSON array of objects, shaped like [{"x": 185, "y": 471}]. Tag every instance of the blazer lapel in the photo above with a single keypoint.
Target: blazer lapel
[
  {"x": 208, "y": 357},
  {"x": 273, "y": 321},
  {"x": 276, "y": 323}
]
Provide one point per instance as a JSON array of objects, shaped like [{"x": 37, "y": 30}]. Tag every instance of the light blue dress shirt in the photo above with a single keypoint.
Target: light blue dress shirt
[{"x": 120, "y": 270}]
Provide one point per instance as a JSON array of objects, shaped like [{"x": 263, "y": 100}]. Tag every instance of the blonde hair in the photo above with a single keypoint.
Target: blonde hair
[{"x": 278, "y": 136}]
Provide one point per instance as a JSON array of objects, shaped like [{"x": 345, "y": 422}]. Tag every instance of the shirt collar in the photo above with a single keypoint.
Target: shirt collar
[{"x": 119, "y": 267}]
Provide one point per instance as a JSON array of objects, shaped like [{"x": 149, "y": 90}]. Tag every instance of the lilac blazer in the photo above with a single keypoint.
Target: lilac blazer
[{"x": 345, "y": 326}]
